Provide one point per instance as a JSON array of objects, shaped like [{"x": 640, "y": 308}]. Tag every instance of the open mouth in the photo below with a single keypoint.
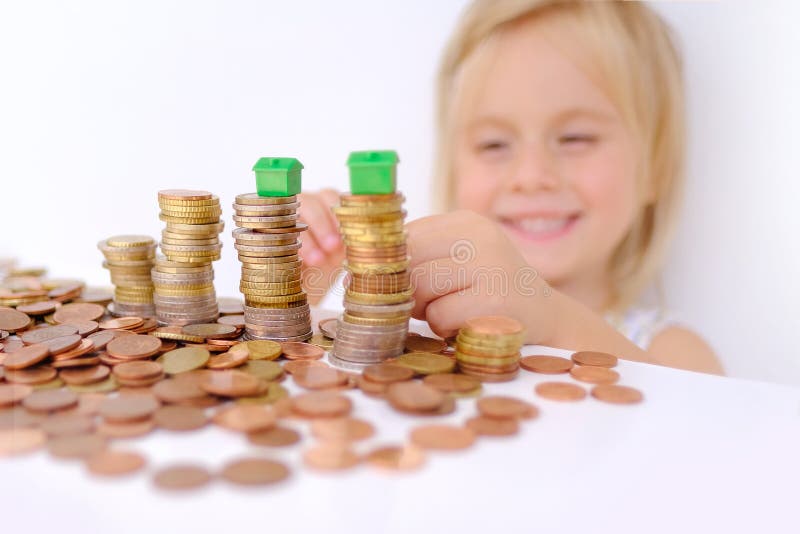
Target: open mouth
[{"x": 541, "y": 228}]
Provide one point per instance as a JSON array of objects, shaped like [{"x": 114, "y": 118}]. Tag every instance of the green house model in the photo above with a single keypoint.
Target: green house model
[
  {"x": 278, "y": 177},
  {"x": 373, "y": 172}
]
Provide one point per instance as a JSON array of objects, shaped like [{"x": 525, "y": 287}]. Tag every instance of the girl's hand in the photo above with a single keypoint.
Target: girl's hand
[
  {"x": 463, "y": 265},
  {"x": 322, "y": 251}
]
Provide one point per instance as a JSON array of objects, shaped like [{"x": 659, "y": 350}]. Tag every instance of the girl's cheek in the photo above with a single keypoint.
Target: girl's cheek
[{"x": 475, "y": 190}]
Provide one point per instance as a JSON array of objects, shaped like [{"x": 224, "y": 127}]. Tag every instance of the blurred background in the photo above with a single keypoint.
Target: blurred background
[{"x": 104, "y": 103}]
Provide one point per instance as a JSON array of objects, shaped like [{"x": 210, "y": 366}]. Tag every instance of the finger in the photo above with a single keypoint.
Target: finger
[
  {"x": 447, "y": 314},
  {"x": 321, "y": 226},
  {"x": 439, "y": 236},
  {"x": 330, "y": 198},
  {"x": 310, "y": 251},
  {"x": 434, "y": 279}
]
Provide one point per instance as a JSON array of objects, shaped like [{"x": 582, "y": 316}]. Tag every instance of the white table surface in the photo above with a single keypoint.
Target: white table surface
[{"x": 700, "y": 454}]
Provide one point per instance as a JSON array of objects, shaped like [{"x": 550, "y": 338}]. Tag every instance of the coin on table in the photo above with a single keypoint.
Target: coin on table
[
  {"x": 386, "y": 373},
  {"x": 494, "y": 325},
  {"x": 598, "y": 359},
  {"x": 492, "y": 426},
  {"x": 296, "y": 350},
  {"x": 39, "y": 308},
  {"x": 500, "y": 406},
  {"x": 263, "y": 349},
  {"x": 27, "y": 356},
  {"x": 42, "y": 334},
  {"x": 396, "y": 457},
  {"x": 63, "y": 344},
  {"x": 593, "y": 374},
  {"x": 254, "y": 472},
  {"x": 13, "y": 393},
  {"x": 76, "y": 446},
  {"x": 210, "y": 330},
  {"x": 49, "y": 400},
  {"x": 128, "y": 408},
  {"x": 328, "y": 327},
  {"x": 19, "y": 417},
  {"x": 425, "y": 344},
  {"x": 133, "y": 347},
  {"x": 12, "y": 320},
  {"x": 343, "y": 429},
  {"x": 616, "y": 394},
  {"x": 426, "y": 363},
  {"x": 111, "y": 463},
  {"x": 452, "y": 383},
  {"x": 295, "y": 365},
  {"x": 319, "y": 377},
  {"x": 414, "y": 397},
  {"x": 121, "y": 323},
  {"x": 137, "y": 370},
  {"x": 321, "y": 404},
  {"x": 125, "y": 429},
  {"x": 264, "y": 369},
  {"x": 442, "y": 437},
  {"x": 232, "y": 383},
  {"x": 173, "y": 390},
  {"x": 67, "y": 424},
  {"x": 560, "y": 391},
  {"x": 15, "y": 441},
  {"x": 84, "y": 375},
  {"x": 246, "y": 417},
  {"x": 184, "y": 359},
  {"x": 79, "y": 311},
  {"x": 182, "y": 477},
  {"x": 549, "y": 365},
  {"x": 331, "y": 456},
  {"x": 39, "y": 374},
  {"x": 180, "y": 418},
  {"x": 277, "y": 436}
]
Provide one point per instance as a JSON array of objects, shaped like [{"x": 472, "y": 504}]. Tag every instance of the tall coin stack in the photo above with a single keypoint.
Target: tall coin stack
[
  {"x": 267, "y": 241},
  {"x": 488, "y": 348},
  {"x": 184, "y": 277},
  {"x": 129, "y": 260},
  {"x": 377, "y": 300}
]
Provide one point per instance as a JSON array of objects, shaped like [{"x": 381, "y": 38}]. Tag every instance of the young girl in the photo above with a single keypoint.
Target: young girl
[{"x": 559, "y": 164}]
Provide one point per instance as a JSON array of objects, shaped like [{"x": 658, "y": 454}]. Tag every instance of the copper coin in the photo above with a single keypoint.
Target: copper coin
[
  {"x": 27, "y": 356},
  {"x": 19, "y": 417},
  {"x": 12, "y": 320},
  {"x": 321, "y": 404},
  {"x": 375, "y": 389},
  {"x": 228, "y": 360},
  {"x": 296, "y": 350},
  {"x": 126, "y": 430},
  {"x": 126, "y": 408},
  {"x": 254, "y": 472},
  {"x": 121, "y": 323},
  {"x": 560, "y": 391},
  {"x": 599, "y": 359},
  {"x": 232, "y": 383},
  {"x": 182, "y": 477},
  {"x": 331, "y": 456},
  {"x": 319, "y": 377},
  {"x": 210, "y": 330},
  {"x": 342, "y": 429},
  {"x": 452, "y": 383},
  {"x": 328, "y": 327},
  {"x": 491, "y": 426},
  {"x": 85, "y": 346},
  {"x": 78, "y": 311},
  {"x": 295, "y": 365},
  {"x": 174, "y": 390},
  {"x": 414, "y": 397},
  {"x": 233, "y": 320},
  {"x": 506, "y": 407},
  {"x": 442, "y": 437},
  {"x": 63, "y": 344},
  {"x": 40, "y": 335},
  {"x": 137, "y": 370},
  {"x": 39, "y": 308},
  {"x": 494, "y": 325},
  {"x": 397, "y": 458},
  {"x": 84, "y": 375},
  {"x": 85, "y": 327},
  {"x": 32, "y": 375},
  {"x": 616, "y": 394},
  {"x": 386, "y": 373},
  {"x": 246, "y": 417},
  {"x": 48, "y": 400},
  {"x": 425, "y": 344},
  {"x": 76, "y": 446},
  {"x": 133, "y": 347},
  {"x": 65, "y": 424},
  {"x": 594, "y": 375},
  {"x": 180, "y": 418},
  {"x": 89, "y": 403},
  {"x": 20, "y": 440},
  {"x": 549, "y": 365},
  {"x": 101, "y": 339},
  {"x": 277, "y": 436},
  {"x": 114, "y": 463}
]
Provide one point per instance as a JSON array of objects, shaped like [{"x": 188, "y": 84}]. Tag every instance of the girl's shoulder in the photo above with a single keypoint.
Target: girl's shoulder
[{"x": 641, "y": 324}]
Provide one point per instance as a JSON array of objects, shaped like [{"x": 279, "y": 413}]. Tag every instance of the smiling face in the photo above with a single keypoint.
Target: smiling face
[{"x": 540, "y": 148}]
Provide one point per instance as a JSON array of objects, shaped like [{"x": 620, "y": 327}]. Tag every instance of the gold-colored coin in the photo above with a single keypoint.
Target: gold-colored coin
[
  {"x": 126, "y": 241},
  {"x": 183, "y": 359},
  {"x": 265, "y": 369},
  {"x": 487, "y": 361},
  {"x": 188, "y": 220},
  {"x": 254, "y": 199},
  {"x": 263, "y": 349},
  {"x": 269, "y": 292},
  {"x": 209, "y": 229},
  {"x": 377, "y": 268},
  {"x": 275, "y": 301},
  {"x": 187, "y": 293},
  {"x": 374, "y": 321},
  {"x": 378, "y": 298},
  {"x": 106, "y": 386},
  {"x": 275, "y": 392},
  {"x": 426, "y": 363}
]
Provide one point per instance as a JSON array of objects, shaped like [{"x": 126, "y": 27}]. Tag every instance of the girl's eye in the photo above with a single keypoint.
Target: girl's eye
[
  {"x": 492, "y": 146},
  {"x": 576, "y": 139}
]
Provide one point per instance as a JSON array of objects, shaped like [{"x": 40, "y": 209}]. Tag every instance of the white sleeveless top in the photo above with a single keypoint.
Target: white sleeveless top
[{"x": 641, "y": 324}]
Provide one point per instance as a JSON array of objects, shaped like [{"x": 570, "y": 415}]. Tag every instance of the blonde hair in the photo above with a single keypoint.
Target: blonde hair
[{"x": 636, "y": 62}]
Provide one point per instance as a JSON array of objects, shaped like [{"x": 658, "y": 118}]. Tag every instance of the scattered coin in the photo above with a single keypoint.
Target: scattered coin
[
  {"x": 414, "y": 397},
  {"x": 133, "y": 347},
  {"x": 452, "y": 383},
  {"x": 296, "y": 350},
  {"x": 277, "y": 436},
  {"x": 263, "y": 349},
  {"x": 560, "y": 391},
  {"x": 331, "y": 456},
  {"x": 492, "y": 426},
  {"x": 321, "y": 404},
  {"x": 426, "y": 363},
  {"x": 245, "y": 418},
  {"x": 20, "y": 440},
  {"x": 254, "y": 472},
  {"x": 183, "y": 359},
  {"x": 128, "y": 408},
  {"x": 27, "y": 356},
  {"x": 396, "y": 458},
  {"x": 594, "y": 375},
  {"x": 343, "y": 429},
  {"x": 506, "y": 407},
  {"x": 50, "y": 400},
  {"x": 442, "y": 437},
  {"x": 112, "y": 463},
  {"x": 425, "y": 344},
  {"x": 180, "y": 418},
  {"x": 599, "y": 359},
  {"x": 182, "y": 477},
  {"x": 616, "y": 394},
  {"x": 76, "y": 446},
  {"x": 546, "y": 364}
]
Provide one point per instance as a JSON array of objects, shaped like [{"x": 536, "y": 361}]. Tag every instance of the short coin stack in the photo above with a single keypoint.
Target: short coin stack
[
  {"x": 184, "y": 277},
  {"x": 377, "y": 300},
  {"x": 267, "y": 242},
  {"x": 129, "y": 259},
  {"x": 488, "y": 348}
]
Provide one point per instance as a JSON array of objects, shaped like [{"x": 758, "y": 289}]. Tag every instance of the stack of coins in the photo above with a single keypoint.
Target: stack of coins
[
  {"x": 267, "y": 243},
  {"x": 184, "y": 277},
  {"x": 377, "y": 300},
  {"x": 488, "y": 348},
  {"x": 129, "y": 259}
]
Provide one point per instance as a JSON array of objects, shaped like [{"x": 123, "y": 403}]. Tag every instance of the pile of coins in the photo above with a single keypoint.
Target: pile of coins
[
  {"x": 377, "y": 300},
  {"x": 129, "y": 259},
  {"x": 489, "y": 348},
  {"x": 267, "y": 241},
  {"x": 184, "y": 277}
]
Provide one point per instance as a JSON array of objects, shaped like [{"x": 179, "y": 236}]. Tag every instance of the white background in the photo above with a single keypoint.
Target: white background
[{"x": 104, "y": 103}]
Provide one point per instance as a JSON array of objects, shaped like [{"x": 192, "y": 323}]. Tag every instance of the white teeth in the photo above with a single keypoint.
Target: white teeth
[{"x": 537, "y": 225}]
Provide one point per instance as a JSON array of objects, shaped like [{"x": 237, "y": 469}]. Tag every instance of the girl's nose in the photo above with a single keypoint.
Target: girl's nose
[{"x": 534, "y": 171}]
